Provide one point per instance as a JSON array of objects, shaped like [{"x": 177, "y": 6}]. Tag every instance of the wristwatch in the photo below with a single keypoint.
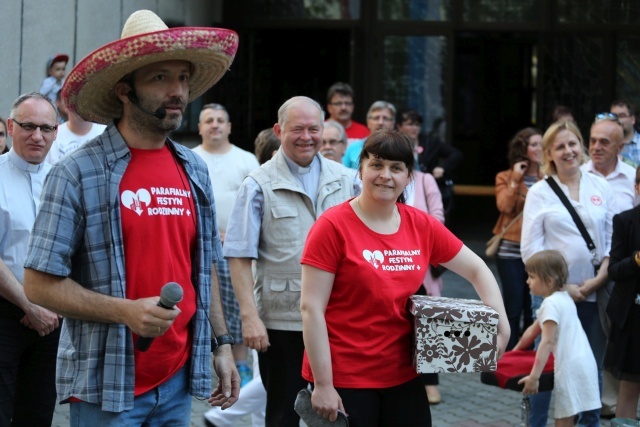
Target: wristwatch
[{"x": 222, "y": 340}]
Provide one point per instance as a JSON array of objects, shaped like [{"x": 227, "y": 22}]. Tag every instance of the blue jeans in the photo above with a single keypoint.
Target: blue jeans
[
  {"x": 588, "y": 315},
  {"x": 169, "y": 404},
  {"x": 516, "y": 296}
]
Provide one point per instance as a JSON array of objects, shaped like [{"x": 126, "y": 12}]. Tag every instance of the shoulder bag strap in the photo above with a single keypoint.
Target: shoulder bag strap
[
  {"x": 576, "y": 218},
  {"x": 513, "y": 221}
]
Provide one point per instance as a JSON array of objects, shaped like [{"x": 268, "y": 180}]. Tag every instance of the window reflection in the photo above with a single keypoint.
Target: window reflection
[
  {"x": 416, "y": 10},
  {"x": 628, "y": 70},
  {"x": 501, "y": 10},
  {"x": 305, "y": 9},
  {"x": 573, "y": 64},
  {"x": 414, "y": 77},
  {"x": 598, "y": 12}
]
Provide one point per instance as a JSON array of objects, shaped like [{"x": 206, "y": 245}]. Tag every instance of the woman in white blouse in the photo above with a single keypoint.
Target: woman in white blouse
[{"x": 548, "y": 225}]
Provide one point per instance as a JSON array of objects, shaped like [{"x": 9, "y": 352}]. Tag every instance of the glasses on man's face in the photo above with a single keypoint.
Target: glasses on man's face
[
  {"x": 31, "y": 127},
  {"x": 342, "y": 104},
  {"x": 383, "y": 118},
  {"x": 331, "y": 142}
]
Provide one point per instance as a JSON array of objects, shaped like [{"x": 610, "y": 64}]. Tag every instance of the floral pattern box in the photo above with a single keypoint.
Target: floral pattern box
[{"x": 454, "y": 335}]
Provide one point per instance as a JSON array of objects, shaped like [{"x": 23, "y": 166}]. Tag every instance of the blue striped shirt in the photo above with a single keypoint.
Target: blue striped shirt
[{"x": 78, "y": 234}]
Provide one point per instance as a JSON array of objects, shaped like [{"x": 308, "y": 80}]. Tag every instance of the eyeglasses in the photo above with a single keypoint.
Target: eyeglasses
[
  {"x": 341, "y": 104},
  {"x": 383, "y": 118},
  {"x": 332, "y": 142},
  {"x": 2, "y": 134},
  {"x": 612, "y": 117},
  {"x": 31, "y": 127}
]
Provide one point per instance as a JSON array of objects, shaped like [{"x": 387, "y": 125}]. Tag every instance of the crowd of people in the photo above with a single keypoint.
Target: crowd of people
[{"x": 279, "y": 255}]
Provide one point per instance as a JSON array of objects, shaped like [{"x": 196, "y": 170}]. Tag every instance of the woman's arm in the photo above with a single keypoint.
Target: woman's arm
[
  {"x": 508, "y": 188},
  {"x": 531, "y": 381},
  {"x": 316, "y": 290},
  {"x": 433, "y": 196},
  {"x": 470, "y": 266}
]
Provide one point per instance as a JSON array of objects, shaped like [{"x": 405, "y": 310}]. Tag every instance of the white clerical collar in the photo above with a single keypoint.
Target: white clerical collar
[
  {"x": 296, "y": 169},
  {"x": 21, "y": 163}
]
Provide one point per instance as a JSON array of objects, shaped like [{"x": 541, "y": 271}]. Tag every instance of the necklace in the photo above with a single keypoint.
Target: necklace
[{"x": 396, "y": 216}]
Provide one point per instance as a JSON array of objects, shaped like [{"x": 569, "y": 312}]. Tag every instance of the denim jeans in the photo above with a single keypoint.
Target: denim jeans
[
  {"x": 516, "y": 296},
  {"x": 169, "y": 404}
]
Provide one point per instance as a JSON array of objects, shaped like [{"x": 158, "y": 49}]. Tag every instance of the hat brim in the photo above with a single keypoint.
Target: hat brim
[{"x": 89, "y": 88}]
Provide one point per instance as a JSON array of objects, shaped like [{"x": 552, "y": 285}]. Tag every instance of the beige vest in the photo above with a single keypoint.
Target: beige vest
[{"x": 288, "y": 214}]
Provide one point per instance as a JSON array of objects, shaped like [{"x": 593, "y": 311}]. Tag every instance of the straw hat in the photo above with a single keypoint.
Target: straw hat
[{"x": 89, "y": 88}]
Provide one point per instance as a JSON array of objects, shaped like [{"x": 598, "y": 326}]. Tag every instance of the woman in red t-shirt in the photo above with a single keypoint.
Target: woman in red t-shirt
[{"x": 362, "y": 261}]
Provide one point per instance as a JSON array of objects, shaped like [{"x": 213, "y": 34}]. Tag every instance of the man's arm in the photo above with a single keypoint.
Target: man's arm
[
  {"x": 40, "y": 319},
  {"x": 228, "y": 389},
  {"x": 69, "y": 299},
  {"x": 254, "y": 333}
]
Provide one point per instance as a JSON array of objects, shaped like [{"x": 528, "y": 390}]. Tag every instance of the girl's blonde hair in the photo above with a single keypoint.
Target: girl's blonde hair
[
  {"x": 549, "y": 266},
  {"x": 549, "y": 137}
]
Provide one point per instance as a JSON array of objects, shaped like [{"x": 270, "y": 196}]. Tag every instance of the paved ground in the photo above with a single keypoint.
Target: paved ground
[{"x": 466, "y": 402}]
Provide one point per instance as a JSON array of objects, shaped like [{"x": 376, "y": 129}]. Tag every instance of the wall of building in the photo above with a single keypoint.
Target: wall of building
[{"x": 34, "y": 30}]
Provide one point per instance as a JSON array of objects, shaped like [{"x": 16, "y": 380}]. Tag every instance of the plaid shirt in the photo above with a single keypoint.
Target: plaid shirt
[
  {"x": 631, "y": 152},
  {"x": 78, "y": 234}
]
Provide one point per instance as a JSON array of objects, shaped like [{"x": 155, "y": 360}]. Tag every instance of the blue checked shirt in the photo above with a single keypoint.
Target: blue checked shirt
[
  {"x": 631, "y": 152},
  {"x": 78, "y": 234}
]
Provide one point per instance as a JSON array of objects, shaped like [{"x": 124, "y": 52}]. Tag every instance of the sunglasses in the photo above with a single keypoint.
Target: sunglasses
[{"x": 612, "y": 117}]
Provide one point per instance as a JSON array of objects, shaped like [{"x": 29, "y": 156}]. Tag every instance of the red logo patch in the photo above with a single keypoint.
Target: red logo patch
[{"x": 596, "y": 200}]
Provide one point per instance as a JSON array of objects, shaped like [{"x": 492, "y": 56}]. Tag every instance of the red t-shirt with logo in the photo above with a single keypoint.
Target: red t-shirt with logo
[
  {"x": 369, "y": 325},
  {"x": 159, "y": 231}
]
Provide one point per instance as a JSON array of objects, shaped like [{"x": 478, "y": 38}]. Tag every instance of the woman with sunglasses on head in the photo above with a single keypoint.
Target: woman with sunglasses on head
[
  {"x": 547, "y": 224},
  {"x": 512, "y": 185},
  {"x": 362, "y": 261}
]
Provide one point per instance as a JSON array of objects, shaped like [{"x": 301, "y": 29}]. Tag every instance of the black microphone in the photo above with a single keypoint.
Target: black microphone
[
  {"x": 170, "y": 295},
  {"x": 160, "y": 113}
]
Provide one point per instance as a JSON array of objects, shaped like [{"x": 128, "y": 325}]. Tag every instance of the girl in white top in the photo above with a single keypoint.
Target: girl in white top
[{"x": 575, "y": 376}]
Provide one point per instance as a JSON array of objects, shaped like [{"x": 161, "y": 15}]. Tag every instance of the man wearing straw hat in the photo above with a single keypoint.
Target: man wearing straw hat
[{"x": 125, "y": 214}]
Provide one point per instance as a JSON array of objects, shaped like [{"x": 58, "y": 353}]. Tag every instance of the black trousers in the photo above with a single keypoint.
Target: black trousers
[
  {"x": 27, "y": 372},
  {"x": 405, "y": 405},
  {"x": 280, "y": 369}
]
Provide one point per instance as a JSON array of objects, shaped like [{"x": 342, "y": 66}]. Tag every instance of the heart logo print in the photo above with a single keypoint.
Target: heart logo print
[
  {"x": 374, "y": 258},
  {"x": 134, "y": 201}
]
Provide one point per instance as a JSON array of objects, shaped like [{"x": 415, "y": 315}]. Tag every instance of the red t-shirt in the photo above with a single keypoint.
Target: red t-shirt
[
  {"x": 370, "y": 328},
  {"x": 159, "y": 231},
  {"x": 357, "y": 131}
]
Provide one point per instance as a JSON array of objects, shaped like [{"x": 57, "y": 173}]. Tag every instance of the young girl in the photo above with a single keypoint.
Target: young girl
[
  {"x": 575, "y": 373},
  {"x": 56, "y": 70}
]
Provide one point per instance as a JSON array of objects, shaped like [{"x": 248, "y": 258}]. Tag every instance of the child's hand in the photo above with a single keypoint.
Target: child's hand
[{"x": 530, "y": 385}]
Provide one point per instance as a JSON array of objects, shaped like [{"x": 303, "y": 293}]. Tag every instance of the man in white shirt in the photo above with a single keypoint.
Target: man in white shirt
[
  {"x": 228, "y": 166},
  {"x": 28, "y": 333},
  {"x": 71, "y": 135},
  {"x": 605, "y": 144}
]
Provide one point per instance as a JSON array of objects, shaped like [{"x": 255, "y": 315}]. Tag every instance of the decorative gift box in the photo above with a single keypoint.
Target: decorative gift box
[{"x": 454, "y": 335}]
